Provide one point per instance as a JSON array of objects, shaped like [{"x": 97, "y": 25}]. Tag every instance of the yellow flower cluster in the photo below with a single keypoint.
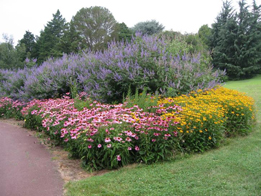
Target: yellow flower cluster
[
  {"x": 209, "y": 113},
  {"x": 196, "y": 115}
]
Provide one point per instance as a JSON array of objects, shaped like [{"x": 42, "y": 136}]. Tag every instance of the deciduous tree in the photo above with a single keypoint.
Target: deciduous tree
[
  {"x": 148, "y": 27},
  {"x": 95, "y": 26}
]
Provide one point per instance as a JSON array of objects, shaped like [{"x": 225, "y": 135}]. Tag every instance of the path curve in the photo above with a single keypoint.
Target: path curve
[{"x": 26, "y": 167}]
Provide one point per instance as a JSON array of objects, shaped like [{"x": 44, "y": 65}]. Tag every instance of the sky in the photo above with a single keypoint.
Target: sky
[{"x": 185, "y": 16}]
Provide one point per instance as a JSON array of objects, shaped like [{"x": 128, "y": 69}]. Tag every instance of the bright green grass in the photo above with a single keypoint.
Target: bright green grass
[{"x": 233, "y": 169}]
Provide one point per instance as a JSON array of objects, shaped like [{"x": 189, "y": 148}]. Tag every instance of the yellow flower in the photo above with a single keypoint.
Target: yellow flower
[{"x": 209, "y": 138}]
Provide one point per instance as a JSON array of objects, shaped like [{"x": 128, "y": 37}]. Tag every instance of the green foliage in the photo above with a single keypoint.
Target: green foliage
[
  {"x": 236, "y": 41},
  {"x": 31, "y": 120},
  {"x": 122, "y": 32},
  {"x": 204, "y": 34},
  {"x": 95, "y": 25},
  {"x": 28, "y": 41},
  {"x": 178, "y": 44},
  {"x": 10, "y": 57},
  {"x": 148, "y": 27},
  {"x": 48, "y": 42},
  {"x": 81, "y": 103},
  {"x": 10, "y": 109},
  {"x": 73, "y": 87},
  {"x": 144, "y": 100},
  {"x": 71, "y": 41}
]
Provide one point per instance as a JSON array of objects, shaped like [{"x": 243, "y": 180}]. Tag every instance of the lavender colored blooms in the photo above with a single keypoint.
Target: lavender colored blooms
[{"x": 142, "y": 63}]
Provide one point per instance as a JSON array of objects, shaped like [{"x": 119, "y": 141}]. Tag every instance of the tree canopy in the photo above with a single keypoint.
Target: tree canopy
[
  {"x": 49, "y": 41},
  {"x": 236, "y": 40},
  {"x": 148, "y": 27},
  {"x": 95, "y": 26}
]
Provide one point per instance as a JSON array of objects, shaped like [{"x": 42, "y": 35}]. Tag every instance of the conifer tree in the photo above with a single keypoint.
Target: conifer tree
[
  {"x": 50, "y": 38},
  {"x": 236, "y": 40},
  {"x": 28, "y": 41}
]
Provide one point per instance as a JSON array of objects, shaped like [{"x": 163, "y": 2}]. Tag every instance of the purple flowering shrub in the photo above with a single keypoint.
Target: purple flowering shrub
[{"x": 143, "y": 63}]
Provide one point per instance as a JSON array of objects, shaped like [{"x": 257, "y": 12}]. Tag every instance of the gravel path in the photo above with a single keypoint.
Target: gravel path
[{"x": 26, "y": 167}]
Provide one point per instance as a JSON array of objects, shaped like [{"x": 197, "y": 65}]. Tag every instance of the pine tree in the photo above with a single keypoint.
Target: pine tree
[
  {"x": 50, "y": 38},
  {"x": 71, "y": 42},
  {"x": 236, "y": 40},
  {"x": 28, "y": 41}
]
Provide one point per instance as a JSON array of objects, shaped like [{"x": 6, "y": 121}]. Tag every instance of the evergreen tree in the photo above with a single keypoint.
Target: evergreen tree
[
  {"x": 50, "y": 38},
  {"x": 236, "y": 40},
  {"x": 71, "y": 42},
  {"x": 28, "y": 41}
]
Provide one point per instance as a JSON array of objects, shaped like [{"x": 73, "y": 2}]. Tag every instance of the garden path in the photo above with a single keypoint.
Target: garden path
[{"x": 26, "y": 166}]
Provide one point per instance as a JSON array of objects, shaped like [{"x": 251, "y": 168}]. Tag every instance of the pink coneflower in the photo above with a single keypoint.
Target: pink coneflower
[
  {"x": 89, "y": 146},
  {"x": 118, "y": 158},
  {"x": 117, "y": 139},
  {"x": 109, "y": 146},
  {"x": 128, "y": 139},
  {"x": 90, "y": 139},
  {"x": 129, "y": 148},
  {"x": 153, "y": 140},
  {"x": 99, "y": 145},
  {"x": 137, "y": 148},
  {"x": 107, "y": 139}
]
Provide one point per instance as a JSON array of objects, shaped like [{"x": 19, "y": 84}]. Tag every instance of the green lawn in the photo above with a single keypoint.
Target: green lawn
[{"x": 233, "y": 169}]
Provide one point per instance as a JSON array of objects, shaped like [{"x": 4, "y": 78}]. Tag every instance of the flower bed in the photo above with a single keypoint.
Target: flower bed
[
  {"x": 110, "y": 136},
  {"x": 208, "y": 116}
]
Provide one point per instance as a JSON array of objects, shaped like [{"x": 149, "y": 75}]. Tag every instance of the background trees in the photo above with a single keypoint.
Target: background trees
[
  {"x": 148, "y": 27},
  {"x": 28, "y": 41},
  {"x": 122, "y": 32},
  {"x": 236, "y": 40},
  {"x": 10, "y": 57},
  {"x": 95, "y": 26},
  {"x": 48, "y": 44}
]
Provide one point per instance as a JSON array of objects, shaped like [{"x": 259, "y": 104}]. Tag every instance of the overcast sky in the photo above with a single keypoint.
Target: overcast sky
[{"x": 185, "y": 16}]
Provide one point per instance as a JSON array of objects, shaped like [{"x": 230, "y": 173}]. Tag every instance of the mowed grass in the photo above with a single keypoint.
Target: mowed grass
[{"x": 232, "y": 169}]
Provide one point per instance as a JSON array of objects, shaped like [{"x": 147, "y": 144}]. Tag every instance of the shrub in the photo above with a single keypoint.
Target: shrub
[{"x": 142, "y": 63}]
